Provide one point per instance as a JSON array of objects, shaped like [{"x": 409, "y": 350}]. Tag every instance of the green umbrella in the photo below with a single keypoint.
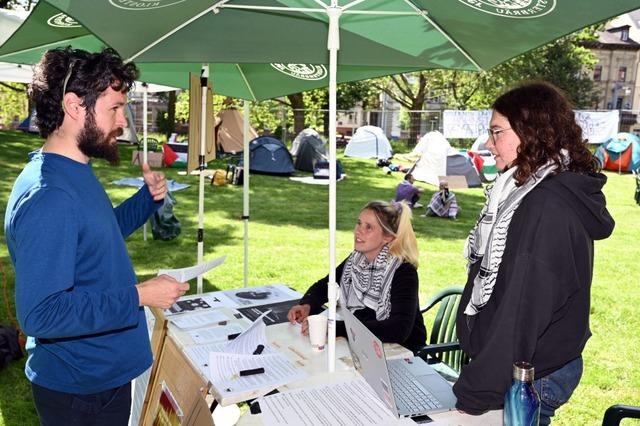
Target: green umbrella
[
  {"x": 410, "y": 34},
  {"x": 48, "y": 27}
]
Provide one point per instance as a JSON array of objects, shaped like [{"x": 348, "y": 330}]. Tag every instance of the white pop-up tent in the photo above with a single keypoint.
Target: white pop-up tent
[
  {"x": 439, "y": 160},
  {"x": 432, "y": 150},
  {"x": 369, "y": 142}
]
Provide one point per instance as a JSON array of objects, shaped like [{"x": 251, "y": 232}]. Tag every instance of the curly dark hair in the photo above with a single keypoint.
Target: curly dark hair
[
  {"x": 542, "y": 117},
  {"x": 88, "y": 75}
]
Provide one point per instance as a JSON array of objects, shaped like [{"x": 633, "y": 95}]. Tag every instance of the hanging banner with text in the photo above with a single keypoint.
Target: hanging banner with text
[
  {"x": 597, "y": 126},
  {"x": 465, "y": 124}
]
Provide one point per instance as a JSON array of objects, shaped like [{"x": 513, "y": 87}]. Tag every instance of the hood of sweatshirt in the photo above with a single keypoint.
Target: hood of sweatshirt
[{"x": 583, "y": 193}]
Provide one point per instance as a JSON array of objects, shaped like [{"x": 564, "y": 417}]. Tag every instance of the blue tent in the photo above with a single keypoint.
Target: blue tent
[
  {"x": 29, "y": 124},
  {"x": 269, "y": 155}
]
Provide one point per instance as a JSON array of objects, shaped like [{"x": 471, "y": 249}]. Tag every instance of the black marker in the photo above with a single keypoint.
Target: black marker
[
  {"x": 258, "y": 350},
  {"x": 251, "y": 372},
  {"x": 232, "y": 336}
]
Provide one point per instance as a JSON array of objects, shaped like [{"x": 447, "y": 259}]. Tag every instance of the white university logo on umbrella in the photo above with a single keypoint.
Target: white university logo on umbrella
[
  {"x": 143, "y": 4},
  {"x": 513, "y": 8},
  {"x": 63, "y": 21},
  {"x": 302, "y": 71}
]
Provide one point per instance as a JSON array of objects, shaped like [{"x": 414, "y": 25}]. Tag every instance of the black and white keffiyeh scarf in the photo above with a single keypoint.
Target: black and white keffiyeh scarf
[
  {"x": 365, "y": 284},
  {"x": 488, "y": 239}
]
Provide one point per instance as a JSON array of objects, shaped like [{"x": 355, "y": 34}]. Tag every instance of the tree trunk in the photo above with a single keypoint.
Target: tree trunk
[
  {"x": 414, "y": 127},
  {"x": 297, "y": 103},
  {"x": 417, "y": 104},
  {"x": 171, "y": 113}
]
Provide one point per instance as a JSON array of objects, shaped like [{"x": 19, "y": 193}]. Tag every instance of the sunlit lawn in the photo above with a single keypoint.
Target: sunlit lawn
[{"x": 289, "y": 244}]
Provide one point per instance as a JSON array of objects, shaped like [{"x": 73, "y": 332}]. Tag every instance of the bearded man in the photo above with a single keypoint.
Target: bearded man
[{"x": 77, "y": 296}]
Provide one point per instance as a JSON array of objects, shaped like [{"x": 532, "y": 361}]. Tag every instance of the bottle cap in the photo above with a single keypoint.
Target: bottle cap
[{"x": 523, "y": 371}]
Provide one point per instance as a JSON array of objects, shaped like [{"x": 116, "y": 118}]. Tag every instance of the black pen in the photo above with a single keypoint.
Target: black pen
[
  {"x": 232, "y": 336},
  {"x": 258, "y": 350},
  {"x": 251, "y": 372}
]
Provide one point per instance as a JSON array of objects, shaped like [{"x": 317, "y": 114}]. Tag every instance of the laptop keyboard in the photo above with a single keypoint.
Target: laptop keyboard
[{"x": 409, "y": 392}]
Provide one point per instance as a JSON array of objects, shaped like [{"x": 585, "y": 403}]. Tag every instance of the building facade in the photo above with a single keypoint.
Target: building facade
[{"x": 617, "y": 72}]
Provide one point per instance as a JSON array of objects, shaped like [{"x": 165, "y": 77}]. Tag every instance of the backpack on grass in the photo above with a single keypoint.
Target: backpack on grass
[{"x": 9, "y": 345}]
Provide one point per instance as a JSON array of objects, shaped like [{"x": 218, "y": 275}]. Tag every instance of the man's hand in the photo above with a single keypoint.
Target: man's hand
[
  {"x": 160, "y": 292},
  {"x": 298, "y": 313},
  {"x": 155, "y": 181}
]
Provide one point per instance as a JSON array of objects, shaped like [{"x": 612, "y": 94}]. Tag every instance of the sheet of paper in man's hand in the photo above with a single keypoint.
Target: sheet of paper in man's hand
[{"x": 186, "y": 274}]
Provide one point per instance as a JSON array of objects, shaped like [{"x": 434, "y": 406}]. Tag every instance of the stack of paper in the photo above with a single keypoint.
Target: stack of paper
[{"x": 225, "y": 364}]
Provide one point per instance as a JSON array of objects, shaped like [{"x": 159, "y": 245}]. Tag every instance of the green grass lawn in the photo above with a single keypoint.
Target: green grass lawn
[{"x": 289, "y": 240}]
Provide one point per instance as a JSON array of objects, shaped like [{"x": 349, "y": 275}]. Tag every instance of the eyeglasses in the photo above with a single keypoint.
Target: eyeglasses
[
  {"x": 66, "y": 80},
  {"x": 495, "y": 133}
]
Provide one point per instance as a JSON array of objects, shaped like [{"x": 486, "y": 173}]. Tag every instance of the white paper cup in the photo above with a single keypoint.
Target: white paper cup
[{"x": 317, "y": 331}]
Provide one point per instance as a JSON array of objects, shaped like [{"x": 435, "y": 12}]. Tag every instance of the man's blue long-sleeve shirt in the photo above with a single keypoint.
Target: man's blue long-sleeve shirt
[{"x": 75, "y": 285}]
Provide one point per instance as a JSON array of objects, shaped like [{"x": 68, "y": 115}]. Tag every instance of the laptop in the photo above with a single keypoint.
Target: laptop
[{"x": 408, "y": 387}]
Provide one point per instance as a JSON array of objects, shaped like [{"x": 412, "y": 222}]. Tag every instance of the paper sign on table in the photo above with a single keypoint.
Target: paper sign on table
[
  {"x": 215, "y": 334},
  {"x": 224, "y": 372},
  {"x": 208, "y": 318},
  {"x": 348, "y": 403}
]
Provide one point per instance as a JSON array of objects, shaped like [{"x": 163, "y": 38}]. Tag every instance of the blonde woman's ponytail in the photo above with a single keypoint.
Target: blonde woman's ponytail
[{"x": 405, "y": 245}]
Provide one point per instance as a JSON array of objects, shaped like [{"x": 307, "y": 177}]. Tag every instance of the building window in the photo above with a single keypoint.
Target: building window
[
  {"x": 597, "y": 73},
  {"x": 624, "y": 34},
  {"x": 622, "y": 74}
]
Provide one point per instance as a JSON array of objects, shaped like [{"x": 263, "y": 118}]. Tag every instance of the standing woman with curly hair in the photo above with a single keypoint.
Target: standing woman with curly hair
[{"x": 530, "y": 254}]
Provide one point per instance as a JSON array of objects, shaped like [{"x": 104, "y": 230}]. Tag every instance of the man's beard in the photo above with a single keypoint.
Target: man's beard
[{"x": 95, "y": 144}]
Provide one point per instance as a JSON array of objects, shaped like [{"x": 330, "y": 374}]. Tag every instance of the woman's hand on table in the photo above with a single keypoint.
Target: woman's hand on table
[
  {"x": 298, "y": 313},
  {"x": 304, "y": 329}
]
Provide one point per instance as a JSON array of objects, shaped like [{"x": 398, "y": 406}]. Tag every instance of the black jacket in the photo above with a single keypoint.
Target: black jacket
[
  {"x": 404, "y": 325},
  {"x": 539, "y": 309}
]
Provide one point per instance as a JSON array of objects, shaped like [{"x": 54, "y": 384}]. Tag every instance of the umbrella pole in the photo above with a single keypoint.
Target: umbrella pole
[
  {"x": 333, "y": 44},
  {"x": 204, "y": 77},
  {"x": 245, "y": 190},
  {"x": 144, "y": 140}
]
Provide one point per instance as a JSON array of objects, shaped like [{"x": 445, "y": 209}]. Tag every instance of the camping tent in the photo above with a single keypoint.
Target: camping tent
[
  {"x": 310, "y": 150},
  {"x": 368, "y": 142},
  {"x": 439, "y": 158},
  {"x": 229, "y": 131},
  {"x": 434, "y": 144},
  {"x": 309, "y": 131},
  {"x": 29, "y": 123},
  {"x": 621, "y": 154},
  {"x": 479, "y": 145},
  {"x": 269, "y": 155},
  {"x": 129, "y": 134},
  {"x": 488, "y": 170}
]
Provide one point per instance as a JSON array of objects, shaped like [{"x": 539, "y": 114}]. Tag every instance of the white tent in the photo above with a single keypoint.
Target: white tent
[
  {"x": 479, "y": 145},
  {"x": 433, "y": 149},
  {"x": 369, "y": 142}
]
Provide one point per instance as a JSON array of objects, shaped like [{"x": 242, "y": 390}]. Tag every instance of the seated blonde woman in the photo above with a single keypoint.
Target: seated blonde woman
[{"x": 379, "y": 279}]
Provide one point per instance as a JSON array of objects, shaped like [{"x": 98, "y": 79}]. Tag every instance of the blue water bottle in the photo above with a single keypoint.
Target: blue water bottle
[{"x": 522, "y": 403}]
